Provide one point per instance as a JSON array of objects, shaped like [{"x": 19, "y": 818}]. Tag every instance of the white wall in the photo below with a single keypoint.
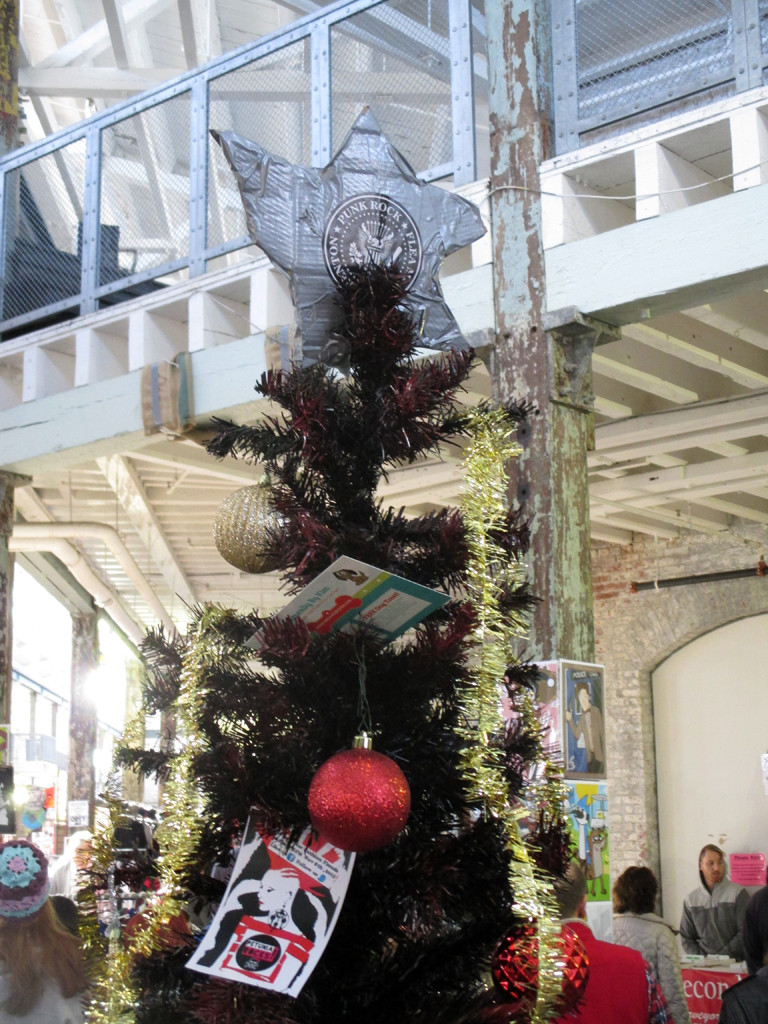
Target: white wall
[{"x": 710, "y": 702}]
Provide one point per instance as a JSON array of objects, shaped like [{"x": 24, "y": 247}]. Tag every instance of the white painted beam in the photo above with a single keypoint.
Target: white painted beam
[
  {"x": 749, "y": 147},
  {"x": 127, "y": 486},
  {"x": 571, "y": 209},
  {"x": 614, "y": 410},
  {"x": 115, "y": 27},
  {"x": 687, "y": 258},
  {"x": 734, "y": 508},
  {"x": 724, "y": 448},
  {"x": 183, "y": 456},
  {"x": 95, "y": 40},
  {"x": 648, "y": 518},
  {"x": 189, "y": 41},
  {"x": 697, "y": 356},
  {"x": 600, "y": 531},
  {"x": 626, "y": 520},
  {"x": 84, "y": 82},
  {"x": 664, "y": 182},
  {"x": 743, "y": 317},
  {"x": 104, "y": 418},
  {"x": 642, "y": 380},
  {"x": 685, "y": 481},
  {"x": 675, "y": 429}
]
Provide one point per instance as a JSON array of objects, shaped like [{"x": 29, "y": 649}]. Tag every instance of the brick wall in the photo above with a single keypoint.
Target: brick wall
[{"x": 635, "y": 632}]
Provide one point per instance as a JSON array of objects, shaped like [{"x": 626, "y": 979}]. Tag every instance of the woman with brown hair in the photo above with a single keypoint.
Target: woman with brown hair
[
  {"x": 636, "y": 925},
  {"x": 41, "y": 966}
]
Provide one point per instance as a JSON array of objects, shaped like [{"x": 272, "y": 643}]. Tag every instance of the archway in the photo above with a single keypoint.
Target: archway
[{"x": 711, "y": 725}]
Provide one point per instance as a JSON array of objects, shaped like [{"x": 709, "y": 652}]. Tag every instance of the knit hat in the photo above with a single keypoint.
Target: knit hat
[{"x": 24, "y": 881}]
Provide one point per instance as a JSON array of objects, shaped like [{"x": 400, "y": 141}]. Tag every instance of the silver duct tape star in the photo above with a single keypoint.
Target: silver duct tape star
[{"x": 367, "y": 206}]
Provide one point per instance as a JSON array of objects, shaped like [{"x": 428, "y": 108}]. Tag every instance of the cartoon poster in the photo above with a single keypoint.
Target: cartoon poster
[
  {"x": 278, "y": 912},
  {"x": 587, "y": 810},
  {"x": 583, "y": 720},
  {"x": 546, "y": 707},
  {"x": 547, "y": 704}
]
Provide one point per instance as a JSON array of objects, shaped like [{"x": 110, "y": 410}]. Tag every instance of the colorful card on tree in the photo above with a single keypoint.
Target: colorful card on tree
[{"x": 278, "y": 912}]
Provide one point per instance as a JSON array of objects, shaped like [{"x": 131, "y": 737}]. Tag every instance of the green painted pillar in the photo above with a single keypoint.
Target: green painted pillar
[{"x": 546, "y": 364}]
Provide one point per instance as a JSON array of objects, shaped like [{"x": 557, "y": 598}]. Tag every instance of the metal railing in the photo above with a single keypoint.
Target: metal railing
[
  {"x": 619, "y": 65},
  {"x": 139, "y": 196}
]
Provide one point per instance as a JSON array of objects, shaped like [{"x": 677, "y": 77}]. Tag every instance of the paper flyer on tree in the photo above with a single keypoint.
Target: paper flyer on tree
[
  {"x": 349, "y": 591},
  {"x": 278, "y": 912}
]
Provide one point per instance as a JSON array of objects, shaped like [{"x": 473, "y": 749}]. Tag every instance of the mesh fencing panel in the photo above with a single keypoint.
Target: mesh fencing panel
[
  {"x": 147, "y": 157},
  {"x": 44, "y": 208},
  {"x": 268, "y": 102},
  {"x": 633, "y": 56},
  {"x": 480, "y": 84},
  {"x": 763, "y": 16},
  {"x": 395, "y": 59}
]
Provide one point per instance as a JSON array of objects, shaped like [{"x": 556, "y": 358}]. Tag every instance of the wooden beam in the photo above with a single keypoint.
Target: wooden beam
[
  {"x": 743, "y": 317},
  {"x": 734, "y": 508},
  {"x": 686, "y": 258},
  {"x": 664, "y": 181},
  {"x": 642, "y": 380},
  {"x": 116, "y": 28},
  {"x": 85, "y": 82},
  {"x": 122, "y": 477},
  {"x": 690, "y": 427},
  {"x": 685, "y": 482},
  {"x": 197, "y": 460},
  {"x": 95, "y": 40},
  {"x": 696, "y": 355},
  {"x": 188, "y": 40}
]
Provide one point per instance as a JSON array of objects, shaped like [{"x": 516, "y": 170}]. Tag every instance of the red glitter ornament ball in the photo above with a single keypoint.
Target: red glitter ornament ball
[
  {"x": 515, "y": 969},
  {"x": 359, "y": 800}
]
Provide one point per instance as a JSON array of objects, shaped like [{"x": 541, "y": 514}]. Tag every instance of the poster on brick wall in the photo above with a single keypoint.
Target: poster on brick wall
[
  {"x": 583, "y": 720},
  {"x": 546, "y": 706},
  {"x": 587, "y": 810}
]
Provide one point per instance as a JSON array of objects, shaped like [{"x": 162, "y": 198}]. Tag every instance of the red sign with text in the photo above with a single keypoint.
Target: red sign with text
[{"x": 704, "y": 992}]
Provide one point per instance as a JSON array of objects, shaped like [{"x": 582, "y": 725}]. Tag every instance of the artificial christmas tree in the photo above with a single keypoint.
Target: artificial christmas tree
[{"x": 430, "y": 899}]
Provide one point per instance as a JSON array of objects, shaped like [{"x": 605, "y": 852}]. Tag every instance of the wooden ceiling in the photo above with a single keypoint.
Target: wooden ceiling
[{"x": 681, "y": 397}]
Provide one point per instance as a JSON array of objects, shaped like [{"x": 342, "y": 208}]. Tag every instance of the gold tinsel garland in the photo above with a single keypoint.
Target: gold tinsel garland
[
  {"x": 178, "y": 836},
  {"x": 484, "y": 507}
]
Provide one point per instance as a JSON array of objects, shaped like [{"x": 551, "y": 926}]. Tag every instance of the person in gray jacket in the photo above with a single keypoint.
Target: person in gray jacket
[
  {"x": 713, "y": 914},
  {"x": 636, "y": 925}
]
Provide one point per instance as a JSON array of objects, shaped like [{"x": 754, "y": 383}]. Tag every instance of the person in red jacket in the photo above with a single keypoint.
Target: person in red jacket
[{"x": 621, "y": 987}]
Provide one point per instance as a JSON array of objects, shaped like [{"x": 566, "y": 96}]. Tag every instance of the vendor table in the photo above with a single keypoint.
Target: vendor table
[{"x": 704, "y": 987}]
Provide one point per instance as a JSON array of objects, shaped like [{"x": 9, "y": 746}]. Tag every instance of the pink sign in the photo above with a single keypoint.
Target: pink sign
[{"x": 748, "y": 868}]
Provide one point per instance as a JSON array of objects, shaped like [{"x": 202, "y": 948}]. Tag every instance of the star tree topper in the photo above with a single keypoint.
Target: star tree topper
[{"x": 367, "y": 206}]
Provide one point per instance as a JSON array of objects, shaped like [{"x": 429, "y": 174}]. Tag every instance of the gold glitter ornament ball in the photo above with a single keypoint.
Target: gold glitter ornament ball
[{"x": 242, "y": 526}]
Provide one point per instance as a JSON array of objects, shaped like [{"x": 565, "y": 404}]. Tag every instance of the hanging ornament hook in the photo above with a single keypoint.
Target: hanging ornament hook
[{"x": 365, "y": 720}]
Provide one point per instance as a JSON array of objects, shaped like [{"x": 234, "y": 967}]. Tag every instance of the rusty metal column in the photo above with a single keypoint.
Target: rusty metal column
[
  {"x": 9, "y": 75},
  {"x": 572, "y": 338},
  {"x": 549, "y": 480},
  {"x": 81, "y": 780}
]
